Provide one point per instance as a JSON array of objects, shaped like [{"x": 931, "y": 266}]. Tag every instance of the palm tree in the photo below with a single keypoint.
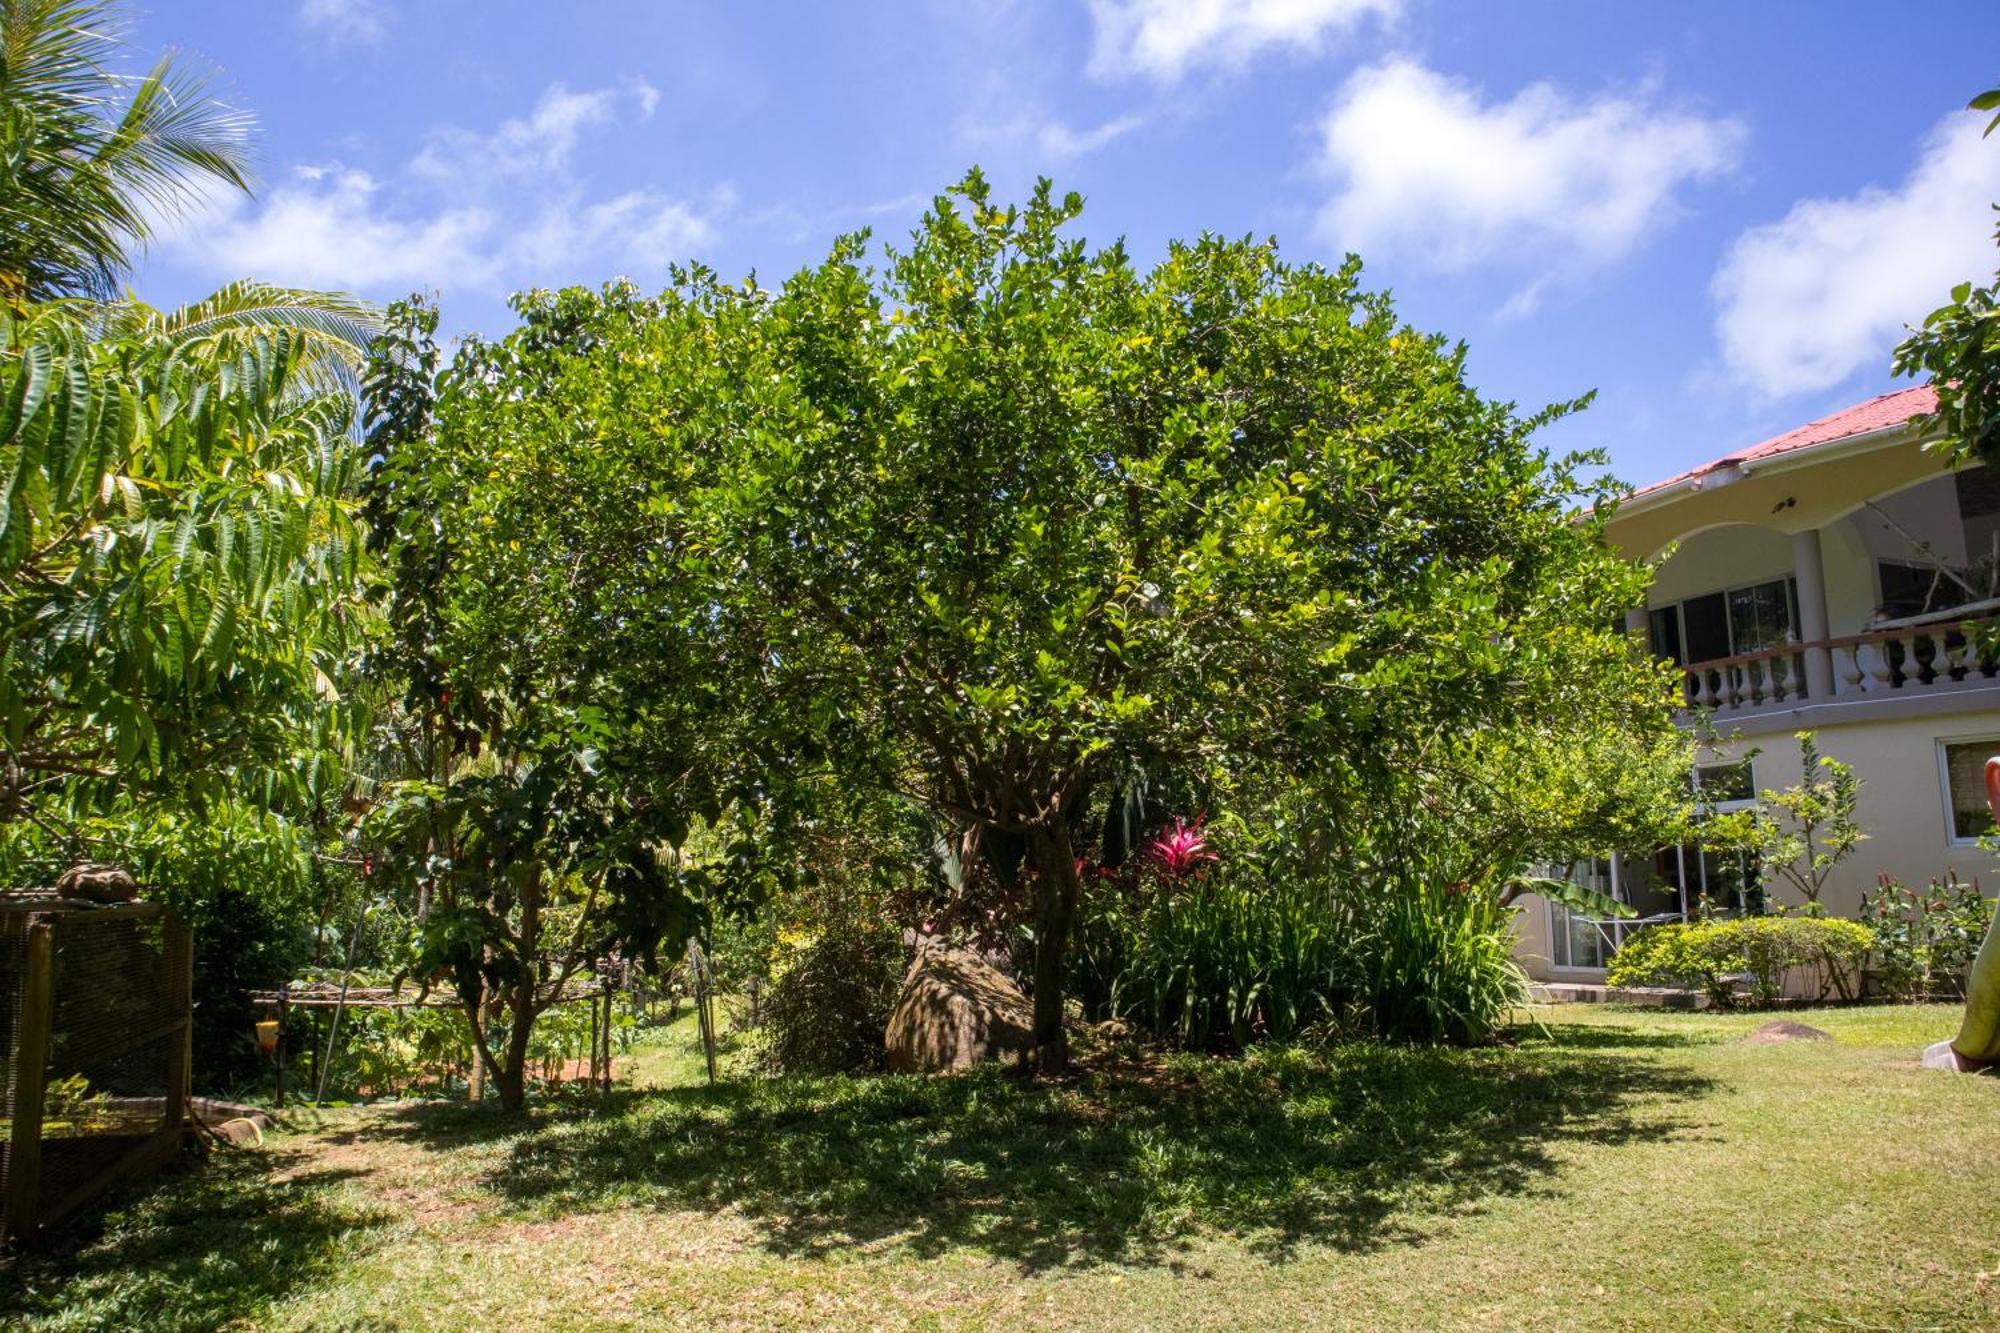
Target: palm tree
[{"x": 91, "y": 160}]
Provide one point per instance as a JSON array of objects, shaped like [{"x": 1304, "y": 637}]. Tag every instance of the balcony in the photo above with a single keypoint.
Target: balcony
[{"x": 1932, "y": 661}]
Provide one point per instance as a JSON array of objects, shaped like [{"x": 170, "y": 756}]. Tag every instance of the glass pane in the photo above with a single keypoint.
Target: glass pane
[
  {"x": 1760, "y": 617},
  {"x": 1725, "y": 782},
  {"x": 1965, "y": 773},
  {"x": 1664, "y": 626}
]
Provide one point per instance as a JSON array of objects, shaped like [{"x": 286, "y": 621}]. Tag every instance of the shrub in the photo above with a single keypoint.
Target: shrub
[
  {"x": 1246, "y": 951},
  {"x": 1226, "y": 957},
  {"x": 832, "y": 987},
  {"x": 1437, "y": 964},
  {"x": 1713, "y": 955},
  {"x": 1925, "y": 942}
]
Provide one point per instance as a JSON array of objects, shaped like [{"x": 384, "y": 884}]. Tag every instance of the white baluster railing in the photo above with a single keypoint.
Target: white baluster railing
[{"x": 1902, "y": 661}]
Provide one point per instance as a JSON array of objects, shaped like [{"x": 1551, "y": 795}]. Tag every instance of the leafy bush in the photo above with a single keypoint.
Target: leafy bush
[
  {"x": 1437, "y": 964},
  {"x": 1713, "y": 955},
  {"x": 1225, "y": 957},
  {"x": 1925, "y": 942},
  {"x": 1256, "y": 946},
  {"x": 832, "y": 987}
]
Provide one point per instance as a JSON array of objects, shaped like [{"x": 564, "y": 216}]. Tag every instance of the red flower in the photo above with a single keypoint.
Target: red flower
[{"x": 1182, "y": 850}]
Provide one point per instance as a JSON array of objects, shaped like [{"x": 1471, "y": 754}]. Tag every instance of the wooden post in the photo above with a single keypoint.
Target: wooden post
[
  {"x": 284, "y": 1008},
  {"x": 31, "y": 1059},
  {"x": 178, "y": 947},
  {"x": 475, "y": 1078},
  {"x": 594, "y": 1079},
  {"x": 704, "y": 1014}
]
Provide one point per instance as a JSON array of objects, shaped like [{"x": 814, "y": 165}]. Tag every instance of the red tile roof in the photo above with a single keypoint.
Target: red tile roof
[{"x": 1879, "y": 413}]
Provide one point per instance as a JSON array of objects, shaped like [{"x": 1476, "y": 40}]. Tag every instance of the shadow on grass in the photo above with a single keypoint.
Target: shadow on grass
[
  {"x": 1554, "y": 1033},
  {"x": 1355, "y": 1147},
  {"x": 215, "y": 1245}
]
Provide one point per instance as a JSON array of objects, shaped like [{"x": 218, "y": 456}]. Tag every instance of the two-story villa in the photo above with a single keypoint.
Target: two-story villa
[{"x": 1822, "y": 579}]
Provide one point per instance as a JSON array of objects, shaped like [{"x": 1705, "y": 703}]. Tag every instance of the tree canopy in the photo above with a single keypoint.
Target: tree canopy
[{"x": 1011, "y": 524}]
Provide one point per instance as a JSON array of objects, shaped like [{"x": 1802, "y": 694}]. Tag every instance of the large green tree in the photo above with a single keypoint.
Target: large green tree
[
  {"x": 558, "y": 736},
  {"x": 1012, "y": 521},
  {"x": 180, "y": 562}
]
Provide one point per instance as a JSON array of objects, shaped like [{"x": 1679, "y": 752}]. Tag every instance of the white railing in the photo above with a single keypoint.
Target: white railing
[{"x": 1896, "y": 662}]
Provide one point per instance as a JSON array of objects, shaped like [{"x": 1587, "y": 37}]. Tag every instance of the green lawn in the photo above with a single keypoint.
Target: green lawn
[{"x": 1620, "y": 1170}]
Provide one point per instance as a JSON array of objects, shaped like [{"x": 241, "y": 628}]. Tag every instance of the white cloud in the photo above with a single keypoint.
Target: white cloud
[
  {"x": 1061, "y": 143},
  {"x": 326, "y": 227},
  {"x": 1426, "y": 166},
  {"x": 1049, "y": 141},
  {"x": 535, "y": 144},
  {"x": 1804, "y": 302},
  {"x": 360, "y": 21},
  {"x": 458, "y": 215},
  {"x": 1167, "y": 38}
]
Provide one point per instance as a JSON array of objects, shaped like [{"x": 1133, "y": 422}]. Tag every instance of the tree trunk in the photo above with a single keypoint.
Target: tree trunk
[
  {"x": 1057, "y": 888},
  {"x": 512, "y": 1076}
]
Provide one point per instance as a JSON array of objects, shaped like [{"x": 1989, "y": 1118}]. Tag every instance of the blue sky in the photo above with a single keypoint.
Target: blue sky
[{"x": 1718, "y": 215}]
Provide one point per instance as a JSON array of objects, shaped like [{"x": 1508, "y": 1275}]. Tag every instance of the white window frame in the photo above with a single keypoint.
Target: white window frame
[{"x": 1951, "y": 836}]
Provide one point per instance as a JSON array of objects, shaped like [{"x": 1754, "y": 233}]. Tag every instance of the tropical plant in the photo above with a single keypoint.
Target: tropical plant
[
  {"x": 1957, "y": 349},
  {"x": 334, "y": 331},
  {"x": 181, "y": 567},
  {"x": 92, "y": 159},
  {"x": 1801, "y": 834}
]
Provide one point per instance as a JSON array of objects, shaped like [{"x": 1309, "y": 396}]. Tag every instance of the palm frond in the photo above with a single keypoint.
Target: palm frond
[{"x": 94, "y": 159}]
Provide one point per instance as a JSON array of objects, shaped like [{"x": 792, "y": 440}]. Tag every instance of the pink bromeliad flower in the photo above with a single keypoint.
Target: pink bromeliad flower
[{"x": 1182, "y": 850}]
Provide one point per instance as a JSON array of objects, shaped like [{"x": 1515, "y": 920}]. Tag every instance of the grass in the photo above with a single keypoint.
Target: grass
[{"x": 1616, "y": 1169}]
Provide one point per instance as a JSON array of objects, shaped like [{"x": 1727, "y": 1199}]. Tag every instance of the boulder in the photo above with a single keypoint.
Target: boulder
[
  {"x": 955, "y": 1010},
  {"x": 97, "y": 883},
  {"x": 1773, "y": 1033}
]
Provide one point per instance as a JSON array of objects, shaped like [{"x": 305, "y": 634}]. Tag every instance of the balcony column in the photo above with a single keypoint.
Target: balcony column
[
  {"x": 1810, "y": 574},
  {"x": 1635, "y": 623}
]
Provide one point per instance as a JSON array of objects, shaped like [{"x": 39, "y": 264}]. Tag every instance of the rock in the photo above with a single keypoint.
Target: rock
[
  {"x": 1773, "y": 1033},
  {"x": 97, "y": 883},
  {"x": 242, "y": 1132},
  {"x": 1943, "y": 1055},
  {"x": 956, "y": 1010}
]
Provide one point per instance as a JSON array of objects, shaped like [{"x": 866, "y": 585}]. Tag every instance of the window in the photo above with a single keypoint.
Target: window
[
  {"x": 1915, "y": 590},
  {"x": 1574, "y": 939},
  {"x": 1963, "y": 765},
  {"x": 1727, "y": 623},
  {"x": 1728, "y": 880}
]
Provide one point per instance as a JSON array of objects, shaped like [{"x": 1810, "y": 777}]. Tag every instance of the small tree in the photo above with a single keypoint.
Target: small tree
[
  {"x": 1957, "y": 349},
  {"x": 1801, "y": 834},
  {"x": 551, "y": 749}
]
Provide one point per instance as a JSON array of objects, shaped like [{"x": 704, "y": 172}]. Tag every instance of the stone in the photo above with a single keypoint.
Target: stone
[
  {"x": 1781, "y": 1031},
  {"x": 957, "y": 1010},
  {"x": 242, "y": 1132},
  {"x": 1943, "y": 1055},
  {"x": 97, "y": 883}
]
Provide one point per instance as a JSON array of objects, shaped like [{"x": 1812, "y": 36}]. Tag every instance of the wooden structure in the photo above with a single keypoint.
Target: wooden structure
[
  {"x": 340, "y": 996},
  {"x": 95, "y": 1009}
]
